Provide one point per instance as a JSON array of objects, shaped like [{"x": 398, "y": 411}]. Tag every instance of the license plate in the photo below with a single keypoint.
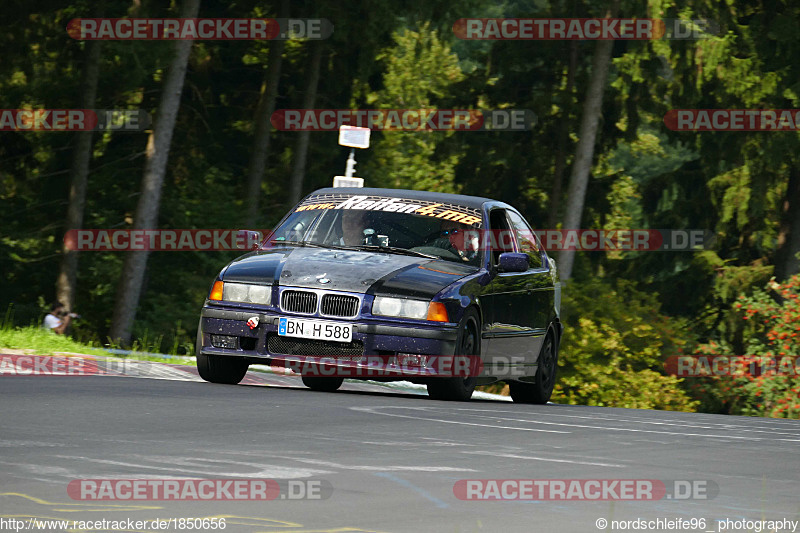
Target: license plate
[{"x": 315, "y": 329}]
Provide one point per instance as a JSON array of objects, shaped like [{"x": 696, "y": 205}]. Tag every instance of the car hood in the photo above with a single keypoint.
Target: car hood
[{"x": 351, "y": 271}]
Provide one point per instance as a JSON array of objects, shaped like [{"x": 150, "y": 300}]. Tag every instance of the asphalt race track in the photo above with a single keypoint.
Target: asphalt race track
[{"x": 387, "y": 461}]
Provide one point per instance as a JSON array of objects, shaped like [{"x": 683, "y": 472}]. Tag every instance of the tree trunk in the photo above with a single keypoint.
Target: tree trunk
[
  {"x": 561, "y": 141},
  {"x": 79, "y": 176},
  {"x": 158, "y": 145},
  {"x": 301, "y": 148},
  {"x": 584, "y": 152},
  {"x": 261, "y": 142},
  {"x": 786, "y": 262}
]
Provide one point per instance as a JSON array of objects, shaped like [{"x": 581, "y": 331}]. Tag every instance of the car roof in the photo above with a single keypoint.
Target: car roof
[{"x": 475, "y": 202}]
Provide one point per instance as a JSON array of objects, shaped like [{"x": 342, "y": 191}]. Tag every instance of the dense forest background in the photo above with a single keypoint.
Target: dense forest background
[{"x": 626, "y": 312}]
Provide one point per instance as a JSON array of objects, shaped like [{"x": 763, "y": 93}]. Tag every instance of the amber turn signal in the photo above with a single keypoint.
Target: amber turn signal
[
  {"x": 437, "y": 312},
  {"x": 216, "y": 291}
]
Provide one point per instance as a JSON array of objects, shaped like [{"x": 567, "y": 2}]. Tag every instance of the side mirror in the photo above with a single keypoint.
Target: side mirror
[
  {"x": 249, "y": 239},
  {"x": 513, "y": 262}
]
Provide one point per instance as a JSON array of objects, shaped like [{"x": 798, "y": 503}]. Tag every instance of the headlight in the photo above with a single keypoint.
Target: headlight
[
  {"x": 242, "y": 292},
  {"x": 260, "y": 294},
  {"x": 399, "y": 307}
]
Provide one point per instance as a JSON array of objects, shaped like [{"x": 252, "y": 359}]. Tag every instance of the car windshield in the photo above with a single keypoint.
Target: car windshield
[{"x": 391, "y": 225}]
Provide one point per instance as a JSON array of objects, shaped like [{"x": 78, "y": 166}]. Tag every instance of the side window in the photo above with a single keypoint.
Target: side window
[
  {"x": 500, "y": 234},
  {"x": 526, "y": 240}
]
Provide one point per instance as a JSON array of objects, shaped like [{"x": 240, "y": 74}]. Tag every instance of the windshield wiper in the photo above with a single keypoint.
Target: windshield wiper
[
  {"x": 364, "y": 247},
  {"x": 296, "y": 243},
  {"x": 312, "y": 244},
  {"x": 393, "y": 250}
]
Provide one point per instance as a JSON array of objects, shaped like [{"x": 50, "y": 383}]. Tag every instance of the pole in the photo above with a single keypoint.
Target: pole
[{"x": 351, "y": 164}]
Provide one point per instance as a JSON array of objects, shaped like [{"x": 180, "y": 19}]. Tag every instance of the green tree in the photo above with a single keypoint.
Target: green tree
[
  {"x": 158, "y": 147},
  {"x": 419, "y": 71}
]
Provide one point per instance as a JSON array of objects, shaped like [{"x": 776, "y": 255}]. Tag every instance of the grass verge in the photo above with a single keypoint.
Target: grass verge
[{"x": 39, "y": 341}]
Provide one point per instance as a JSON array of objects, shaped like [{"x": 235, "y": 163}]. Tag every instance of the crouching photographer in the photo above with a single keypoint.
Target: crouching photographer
[{"x": 58, "y": 319}]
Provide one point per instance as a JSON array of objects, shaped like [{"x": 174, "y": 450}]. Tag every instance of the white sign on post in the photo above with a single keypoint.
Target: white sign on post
[{"x": 354, "y": 137}]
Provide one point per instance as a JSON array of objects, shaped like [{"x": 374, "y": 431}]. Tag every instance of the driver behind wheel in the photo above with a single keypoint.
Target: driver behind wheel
[{"x": 452, "y": 237}]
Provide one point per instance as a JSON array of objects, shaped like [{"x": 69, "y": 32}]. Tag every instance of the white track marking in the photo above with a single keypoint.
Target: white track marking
[
  {"x": 373, "y": 410},
  {"x": 634, "y": 420},
  {"x": 547, "y": 459},
  {"x": 493, "y": 416},
  {"x": 380, "y": 468},
  {"x": 266, "y": 471}
]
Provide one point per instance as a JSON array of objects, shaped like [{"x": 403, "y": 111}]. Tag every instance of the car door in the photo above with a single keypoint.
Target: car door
[
  {"x": 510, "y": 319},
  {"x": 538, "y": 283}
]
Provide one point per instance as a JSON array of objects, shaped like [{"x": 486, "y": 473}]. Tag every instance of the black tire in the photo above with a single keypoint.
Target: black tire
[
  {"x": 541, "y": 389},
  {"x": 468, "y": 342},
  {"x": 228, "y": 370},
  {"x": 221, "y": 369},
  {"x": 322, "y": 384}
]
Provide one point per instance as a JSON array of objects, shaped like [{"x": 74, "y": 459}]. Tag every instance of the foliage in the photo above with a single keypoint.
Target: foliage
[
  {"x": 613, "y": 349},
  {"x": 765, "y": 381}
]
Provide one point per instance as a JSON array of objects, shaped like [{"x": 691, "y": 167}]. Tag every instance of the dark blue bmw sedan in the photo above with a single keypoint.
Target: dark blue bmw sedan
[{"x": 385, "y": 284}]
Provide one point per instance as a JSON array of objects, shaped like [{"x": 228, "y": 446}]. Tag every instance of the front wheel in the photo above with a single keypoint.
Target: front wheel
[
  {"x": 221, "y": 369},
  {"x": 468, "y": 342},
  {"x": 541, "y": 389},
  {"x": 218, "y": 368}
]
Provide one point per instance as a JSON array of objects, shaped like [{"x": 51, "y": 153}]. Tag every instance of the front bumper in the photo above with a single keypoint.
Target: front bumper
[{"x": 371, "y": 337}]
